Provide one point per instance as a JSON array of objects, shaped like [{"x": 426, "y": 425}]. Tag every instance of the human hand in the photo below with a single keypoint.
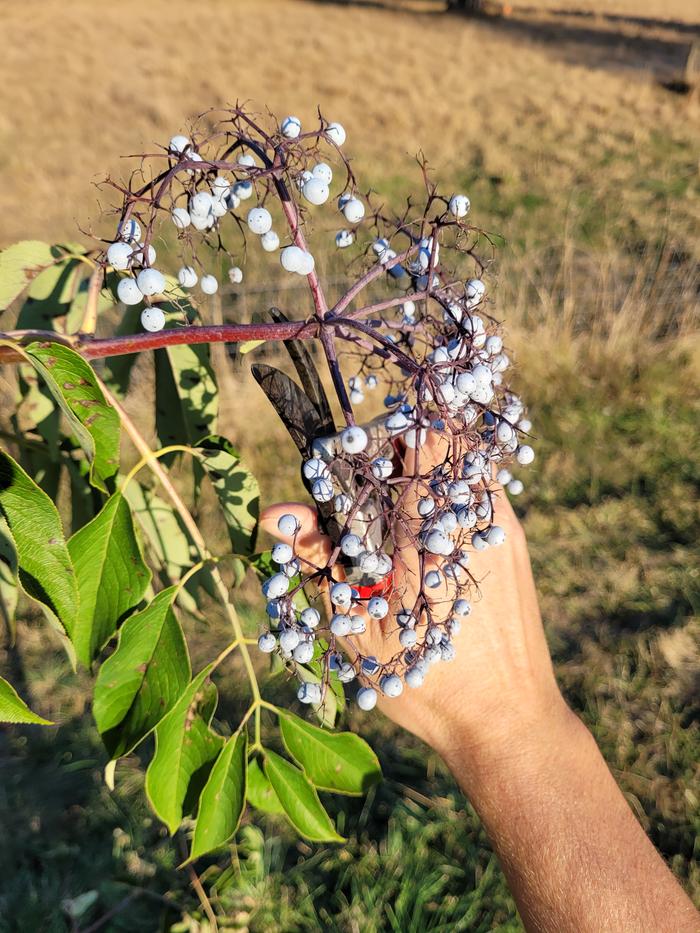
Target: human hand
[{"x": 501, "y": 678}]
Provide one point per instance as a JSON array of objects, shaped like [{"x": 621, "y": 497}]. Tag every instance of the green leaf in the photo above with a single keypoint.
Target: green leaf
[
  {"x": 141, "y": 682},
  {"x": 340, "y": 762},
  {"x": 74, "y": 385},
  {"x": 185, "y": 750},
  {"x": 300, "y": 800},
  {"x": 19, "y": 264},
  {"x": 237, "y": 489},
  {"x": 8, "y": 580},
  {"x": 111, "y": 575},
  {"x": 260, "y": 792},
  {"x": 223, "y": 798},
  {"x": 187, "y": 397},
  {"x": 45, "y": 569},
  {"x": 14, "y": 709}
]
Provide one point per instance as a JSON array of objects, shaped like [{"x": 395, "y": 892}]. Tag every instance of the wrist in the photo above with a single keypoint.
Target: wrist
[{"x": 521, "y": 730}]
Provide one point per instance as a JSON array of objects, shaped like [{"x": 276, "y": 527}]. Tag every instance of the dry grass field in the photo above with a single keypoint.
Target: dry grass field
[{"x": 555, "y": 121}]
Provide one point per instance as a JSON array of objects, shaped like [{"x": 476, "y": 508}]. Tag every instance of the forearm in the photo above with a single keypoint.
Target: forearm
[{"x": 575, "y": 857}]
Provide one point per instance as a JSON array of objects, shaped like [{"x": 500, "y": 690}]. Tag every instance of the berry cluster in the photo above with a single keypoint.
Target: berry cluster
[{"x": 427, "y": 339}]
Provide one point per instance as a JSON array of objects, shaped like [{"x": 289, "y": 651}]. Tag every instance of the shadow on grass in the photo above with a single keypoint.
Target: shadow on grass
[{"x": 66, "y": 835}]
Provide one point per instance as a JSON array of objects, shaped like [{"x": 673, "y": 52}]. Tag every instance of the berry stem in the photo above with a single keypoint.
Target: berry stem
[{"x": 328, "y": 344}]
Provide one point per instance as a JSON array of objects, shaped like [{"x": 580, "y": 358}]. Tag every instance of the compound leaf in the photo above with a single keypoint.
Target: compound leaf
[
  {"x": 299, "y": 799},
  {"x": 340, "y": 762},
  {"x": 138, "y": 684},
  {"x": 111, "y": 575},
  {"x": 223, "y": 798},
  {"x": 45, "y": 569}
]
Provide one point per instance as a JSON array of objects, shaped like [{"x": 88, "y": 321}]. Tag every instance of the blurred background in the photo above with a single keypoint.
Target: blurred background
[{"x": 574, "y": 127}]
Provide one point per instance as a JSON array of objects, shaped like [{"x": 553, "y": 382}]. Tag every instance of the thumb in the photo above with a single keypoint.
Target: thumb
[{"x": 310, "y": 544}]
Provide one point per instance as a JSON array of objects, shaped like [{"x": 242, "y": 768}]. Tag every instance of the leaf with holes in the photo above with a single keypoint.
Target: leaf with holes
[
  {"x": 223, "y": 798},
  {"x": 74, "y": 385},
  {"x": 340, "y": 762},
  {"x": 141, "y": 682},
  {"x": 299, "y": 799},
  {"x": 237, "y": 489},
  {"x": 45, "y": 569},
  {"x": 185, "y": 751},
  {"x": 111, "y": 575},
  {"x": 14, "y": 709}
]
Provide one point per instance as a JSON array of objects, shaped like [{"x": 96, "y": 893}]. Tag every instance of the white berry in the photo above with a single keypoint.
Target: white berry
[
  {"x": 187, "y": 277},
  {"x": 316, "y": 191},
  {"x": 270, "y": 241},
  {"x": 309, "y": 693},
  {"x": 351, "y": 545},
  {"x": 304, "y": 652},
  {"x": 209, "y": 284},
  {"x": 292, "y": 258},
  {"x": 150, "y": 282},
  {"x": 340, "y": 625},
  {"x": 118, "y": 255},
  {"x": 282, "y": 553},
  {"x": 323, "y": 171},
  {"x": 341, "y": 594},
  {"x": 459, "y": 205},
  {"x": 291, "y": 127},
  {"x": 354, "y": 210},
  {"x": 130, "y": 230},
  {"x": 152, "y": 319},
  {"x": 366, "y": 698},
  {"x": 391, "y": 685},
  {"x": 289, "y": 639},
  {"x": 181, "y": 217},
  {"x": 322, "y": 489},
  {"x": 354, "y": 440},
  {"x": 267, "y": 642},
  {"x": 129, "y": 292},
  {"x": 259, "y": 220},
  {"x": 310, "y": 617},
  {"x": 344, "y": 238},
  {"x": 178, "y": 144},
  {"x": 336, "y": 132},
  {"x": 378, "y": 607}
]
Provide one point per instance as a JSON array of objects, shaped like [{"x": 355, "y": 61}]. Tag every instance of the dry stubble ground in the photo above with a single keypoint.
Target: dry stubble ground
[{"x": 555, "y": 126}]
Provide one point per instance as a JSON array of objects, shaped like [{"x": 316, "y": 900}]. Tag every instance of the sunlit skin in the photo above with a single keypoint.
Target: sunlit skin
[{"x": 575, "y": 856}]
